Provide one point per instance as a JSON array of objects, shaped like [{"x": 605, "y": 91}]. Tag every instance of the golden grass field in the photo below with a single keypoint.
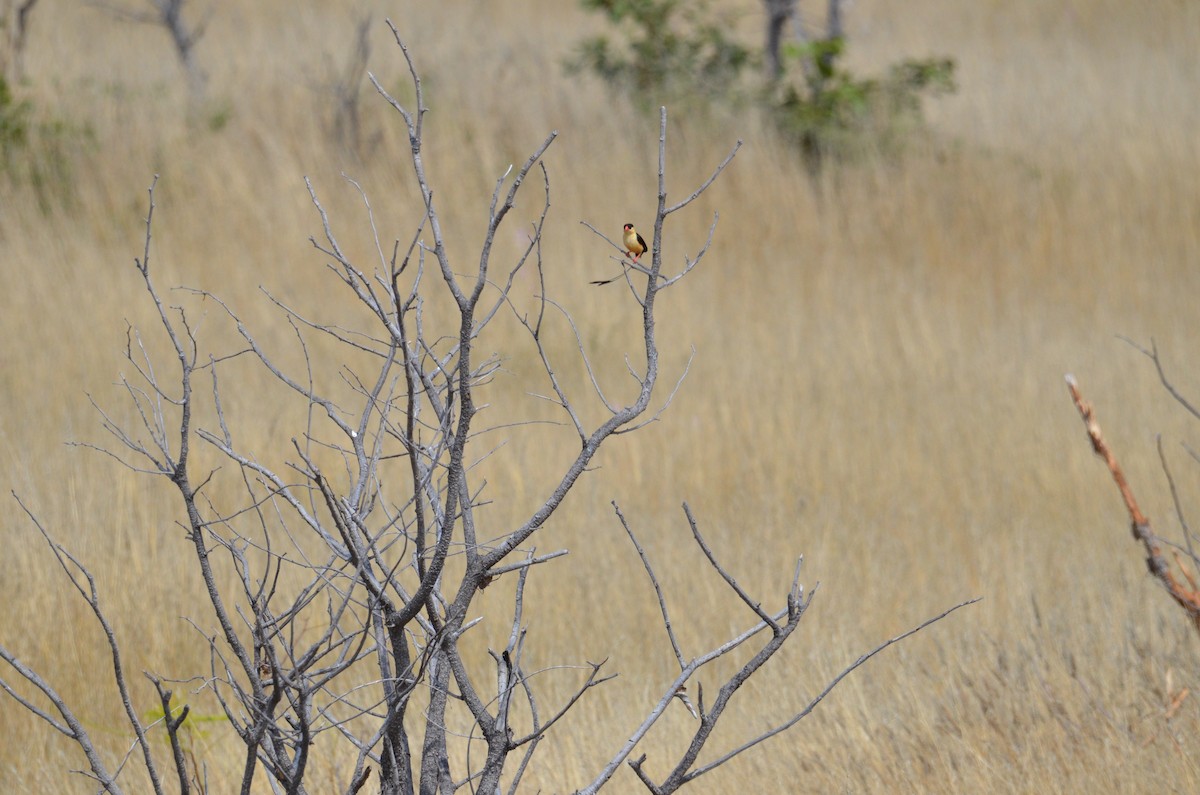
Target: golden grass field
[{"x": 878, "y": 381}]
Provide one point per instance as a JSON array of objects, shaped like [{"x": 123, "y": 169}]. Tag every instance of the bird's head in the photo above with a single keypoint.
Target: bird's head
[{"x": 628, "y": 227}]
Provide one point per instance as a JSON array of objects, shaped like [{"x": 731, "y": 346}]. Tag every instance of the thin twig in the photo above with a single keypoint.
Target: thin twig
[
  {"x": 726, "y": 576},
  {"x": 662, "y": 602}
]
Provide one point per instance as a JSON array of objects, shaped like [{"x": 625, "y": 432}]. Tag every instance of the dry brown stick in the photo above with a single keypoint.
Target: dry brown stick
[
  {"x": 1188, "y": 599},
  {"x": 1176, "y": 703},
  {"x": 1187, "y": 574}
]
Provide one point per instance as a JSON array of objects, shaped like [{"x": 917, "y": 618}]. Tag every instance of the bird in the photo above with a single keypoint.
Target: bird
[{"x": 635, "y": 244}]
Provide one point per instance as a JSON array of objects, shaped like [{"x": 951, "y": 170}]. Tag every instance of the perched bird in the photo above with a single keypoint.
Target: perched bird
[{"x": 635, "y": 244}]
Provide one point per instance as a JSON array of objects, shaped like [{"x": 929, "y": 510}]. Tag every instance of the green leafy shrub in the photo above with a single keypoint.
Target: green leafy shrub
[
  {"x": 668, "y": 50},
  {"x": 14, "y": 122},
  {"x": 831, "y": 113}
]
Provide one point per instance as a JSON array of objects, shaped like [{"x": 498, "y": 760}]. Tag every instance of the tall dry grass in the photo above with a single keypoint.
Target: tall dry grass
[{"x": 877, "y": 382}]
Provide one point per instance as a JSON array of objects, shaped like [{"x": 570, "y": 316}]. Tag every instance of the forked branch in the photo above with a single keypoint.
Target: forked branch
[{"x": 781, "y": 625}]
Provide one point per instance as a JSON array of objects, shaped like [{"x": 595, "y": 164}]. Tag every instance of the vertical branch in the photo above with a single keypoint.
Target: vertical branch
[
  {"x": 414, "y": 121},
  {"x": 16, "y": 27},
  {"x": 172, "y": 724},
  {"x": 778, "y": 14},
  {"x": 179, "y": 474},
  {"x": 184, "y": 38},
  {"x": 834, "y": 32},
  {"x": 347, "y": 124},
  {"x": 1179, "y": 513}
]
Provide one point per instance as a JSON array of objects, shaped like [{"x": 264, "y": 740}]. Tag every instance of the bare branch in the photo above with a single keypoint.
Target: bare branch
[
  {"x": 524, "y": 564},
  {"x": 172, "y": 724},
  {"x": 1187, "y": 598},
  {"x": 694, "y": 774},
  {"x": 1152, "y": 355},
  {"x": 711, "y": 179},
  {"x": 593, "y": 680},
  {"x": 662, "y": 602},
  {"x": 726, "y": 576},
  {"x": 692, "y": 263},
  {"x": 657, "y": 415},
  {"x": 1187, "y": 532},
  {"x": 92, "y": 598}
]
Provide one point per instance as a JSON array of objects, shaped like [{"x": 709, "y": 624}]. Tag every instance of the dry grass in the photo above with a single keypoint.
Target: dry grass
[{"x": 877, "y": 383}]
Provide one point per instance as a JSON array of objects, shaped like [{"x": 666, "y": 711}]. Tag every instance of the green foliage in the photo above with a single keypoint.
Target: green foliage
[
  {"x": 14, "y": 122},
  {"x": 192, "y": 726},
  {"x": 670, "y": 50},
  {"x": 218, "y": 115},
  {"x": 666, "y": 50},
  {"x": 38, "y": 152},
  {"x": 831, "y": 113}
]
